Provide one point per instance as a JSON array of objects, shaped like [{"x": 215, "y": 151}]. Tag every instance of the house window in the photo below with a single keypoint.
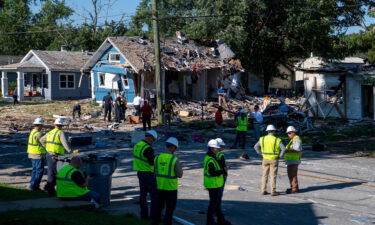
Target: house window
[
  {"x": 114, "y": 58},
  {"x": 67, "y": 81},
  {"x": 126, "y": 81},
  {"x": 45, "y": 80},
  {"x": 101, "y": 79}
]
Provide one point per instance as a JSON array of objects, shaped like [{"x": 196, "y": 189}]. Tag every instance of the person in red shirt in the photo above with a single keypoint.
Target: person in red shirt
[
  {"x": 219, "y": 120},
  {"x": 146, "y": 111}
]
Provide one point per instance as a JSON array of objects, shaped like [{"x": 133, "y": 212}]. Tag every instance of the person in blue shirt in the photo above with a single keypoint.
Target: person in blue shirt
[{"x": 221, "y": 94}]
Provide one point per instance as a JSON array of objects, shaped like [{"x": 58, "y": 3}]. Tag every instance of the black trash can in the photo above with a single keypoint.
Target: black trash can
[{"x": 100, "y": 169}]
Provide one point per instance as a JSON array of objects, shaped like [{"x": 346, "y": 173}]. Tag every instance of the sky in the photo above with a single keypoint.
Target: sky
[{"x": 127, "y": 8}]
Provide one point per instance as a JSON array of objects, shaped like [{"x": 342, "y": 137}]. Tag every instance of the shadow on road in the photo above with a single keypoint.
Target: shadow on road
[{"x": 331, "y": 186}]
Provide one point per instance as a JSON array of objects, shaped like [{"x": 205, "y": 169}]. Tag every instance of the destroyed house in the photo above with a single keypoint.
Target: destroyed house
[
  {"x": 190, "y": 68},
  {"x": 51, "y": 75},
  {"x": 344, "y": 89}
]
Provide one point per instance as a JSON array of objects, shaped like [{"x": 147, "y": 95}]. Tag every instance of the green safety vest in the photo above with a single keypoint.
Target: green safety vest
[
  {"x": 140, "y": 162},
  {"x": 270, "y": 147},
  {"x": 65, "y": 186},
  {"x": 242, "y": 123},
  {"x": 166, "y": 178},
  {"x": 53, "y": 142},
  {"x": 219, "y": 155},
  {"x": 293, "y": 156},
  {"x": 208, "y": 180},
  {"x": 33, "y": 146}
]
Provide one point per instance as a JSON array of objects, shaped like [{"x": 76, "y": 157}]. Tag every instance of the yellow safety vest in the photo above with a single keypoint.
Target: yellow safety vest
[
  {"x": 270, "y": 147},
  {"x": 65, "y": 186},
  {"x": 242, "y": 123},
  {"x": 140, "y": 162},
  {"x": 33, "y": 146},
  {"x": 53, "y": 142},
  {"x": 166, "y": 178},
  {"x": 293, "y": 156},
  {"x": 208, "y": 180}
]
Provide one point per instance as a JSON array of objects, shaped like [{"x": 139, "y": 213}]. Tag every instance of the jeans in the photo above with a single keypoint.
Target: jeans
[
  {"x": 167, "y": 199},
  {"x": 86, "y": 197},
  {"x": 240, "y": 139},
  {"x": 146, "y": 119},
  {"x": 118, "y": 113},
  {"x": 137, "y": 110},
  {"x": 52, "y": 171},
  {"x": 147, "y": 184},
  {"x": 214, "y": 206},
  {"x": 107, "y": 111},
  {"x": 257, "y": 127},
  {"x": 36, "y": 173}
]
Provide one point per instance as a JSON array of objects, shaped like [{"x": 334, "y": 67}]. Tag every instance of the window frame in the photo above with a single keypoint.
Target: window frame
[
  {"x": 67, "y": 74},
  {"x": 99, "y": 74},
  {"x": 114, "y": 61},
  {"x": 125, "y": 77}
]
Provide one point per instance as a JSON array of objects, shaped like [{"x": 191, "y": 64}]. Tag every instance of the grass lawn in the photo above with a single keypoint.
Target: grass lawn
[
  {"x": 66, "y": 216},
  {"x": 13, "y": 193}
]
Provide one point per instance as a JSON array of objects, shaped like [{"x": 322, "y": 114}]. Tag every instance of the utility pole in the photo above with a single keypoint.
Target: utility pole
[{"x": 155, "y": 26}]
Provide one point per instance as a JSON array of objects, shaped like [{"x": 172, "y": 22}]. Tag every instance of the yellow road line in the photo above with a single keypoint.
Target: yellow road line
[{"x": 331, "y": 179}]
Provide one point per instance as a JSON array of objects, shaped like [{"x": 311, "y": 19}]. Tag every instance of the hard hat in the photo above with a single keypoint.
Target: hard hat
[
  {"x": 59, "y": 121},
  {"x": 242, "y": 111},
  {"x": 291, "y": 129},
  {"x": 220, "y": 141},
  {"x": 173, "y": 141},
  {"x": 38, "y": 121},
  {"x": 271, "y": 128},
  {"x": 152, "y": 133},
  {"x": 213, "y": 144}
]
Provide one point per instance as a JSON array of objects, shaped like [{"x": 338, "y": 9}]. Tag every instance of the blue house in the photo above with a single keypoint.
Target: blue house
[
  {"x": 50, "y": 75},
  {"x": 190, "y": 68}
]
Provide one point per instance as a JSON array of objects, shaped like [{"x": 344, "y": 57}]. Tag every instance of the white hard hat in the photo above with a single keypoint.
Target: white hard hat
[
  {"x": 291, "y": 129},
  {"x": 38, "y": 121},
  {"x": 271, "y": 128},
  {"x": 59, "y": 121},
  {"x": 220, "y": 141},
  {"x": 242, "y": 111},
  {"x": 173, "y": 141},
  {"x": 213, "y": 144},
  {"x": 152, "y": 133}
]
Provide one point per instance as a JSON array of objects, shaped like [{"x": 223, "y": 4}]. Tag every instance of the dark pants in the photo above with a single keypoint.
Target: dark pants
[
  {"x": 107, "y": 111},
  {"x": 123, "y": 112},
  {"x": 78, "y": 111},
  {"x": 167, "y": 199},
  {"x": 36, "y": 173},
  {"x": 118, "y": 113},
  {"x": 146, "y": 119},
  {"x": 52, "y": 171},
  {"x": 86, "y": 197},
  {"x": 214, "y": 206},
  {"x": 15, "y": 100},
  {"x": 240, "y": 139},
  {"x": 292, "y": 174},
  {"x": 137, "y": 110},
  {"x": 147, "y": 184}
]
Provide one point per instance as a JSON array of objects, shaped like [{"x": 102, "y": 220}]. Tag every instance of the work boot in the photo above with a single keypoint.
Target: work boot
[
  {"x": 290, "y": 191},
  {"x": 265, "y": 193},
  {"x": 224, "y": 222},
  {"x": 275, "y": 194}
]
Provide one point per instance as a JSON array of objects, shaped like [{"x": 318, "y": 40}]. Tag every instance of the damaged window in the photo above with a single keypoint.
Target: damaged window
[
  {"x": 101, "y": 79},
  {"x": 126, "y": 81},
  {"x": 67, "y": 81},
  {"x": 114, "y": 58}
]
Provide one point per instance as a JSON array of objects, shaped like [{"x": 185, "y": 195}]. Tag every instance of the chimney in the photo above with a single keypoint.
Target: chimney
[{"x": 64, "y": 48}]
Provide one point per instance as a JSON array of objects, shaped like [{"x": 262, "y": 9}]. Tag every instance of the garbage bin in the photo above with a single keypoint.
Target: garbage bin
[{"x": 100, "y": 168}]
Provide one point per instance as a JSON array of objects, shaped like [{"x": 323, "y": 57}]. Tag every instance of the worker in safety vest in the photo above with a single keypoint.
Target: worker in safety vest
[
  {"x": 242, "y": 124},
  {"x": 71, "y": 183},
  {"x": 271, "y": 148},
  {"x": 143, "y": 163},
  {"x": 37, "y": 153},
  {"x": 292, "y": 158},
  {"x": 214, "y": 182},
  {"x": 167, "y": 171},
  {"x": 56, "y": 144},
  {"x": 221, "y": 158}
]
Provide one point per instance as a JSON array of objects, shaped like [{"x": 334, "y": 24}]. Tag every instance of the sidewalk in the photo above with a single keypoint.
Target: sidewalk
[{"x": 42, "y": 203}]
